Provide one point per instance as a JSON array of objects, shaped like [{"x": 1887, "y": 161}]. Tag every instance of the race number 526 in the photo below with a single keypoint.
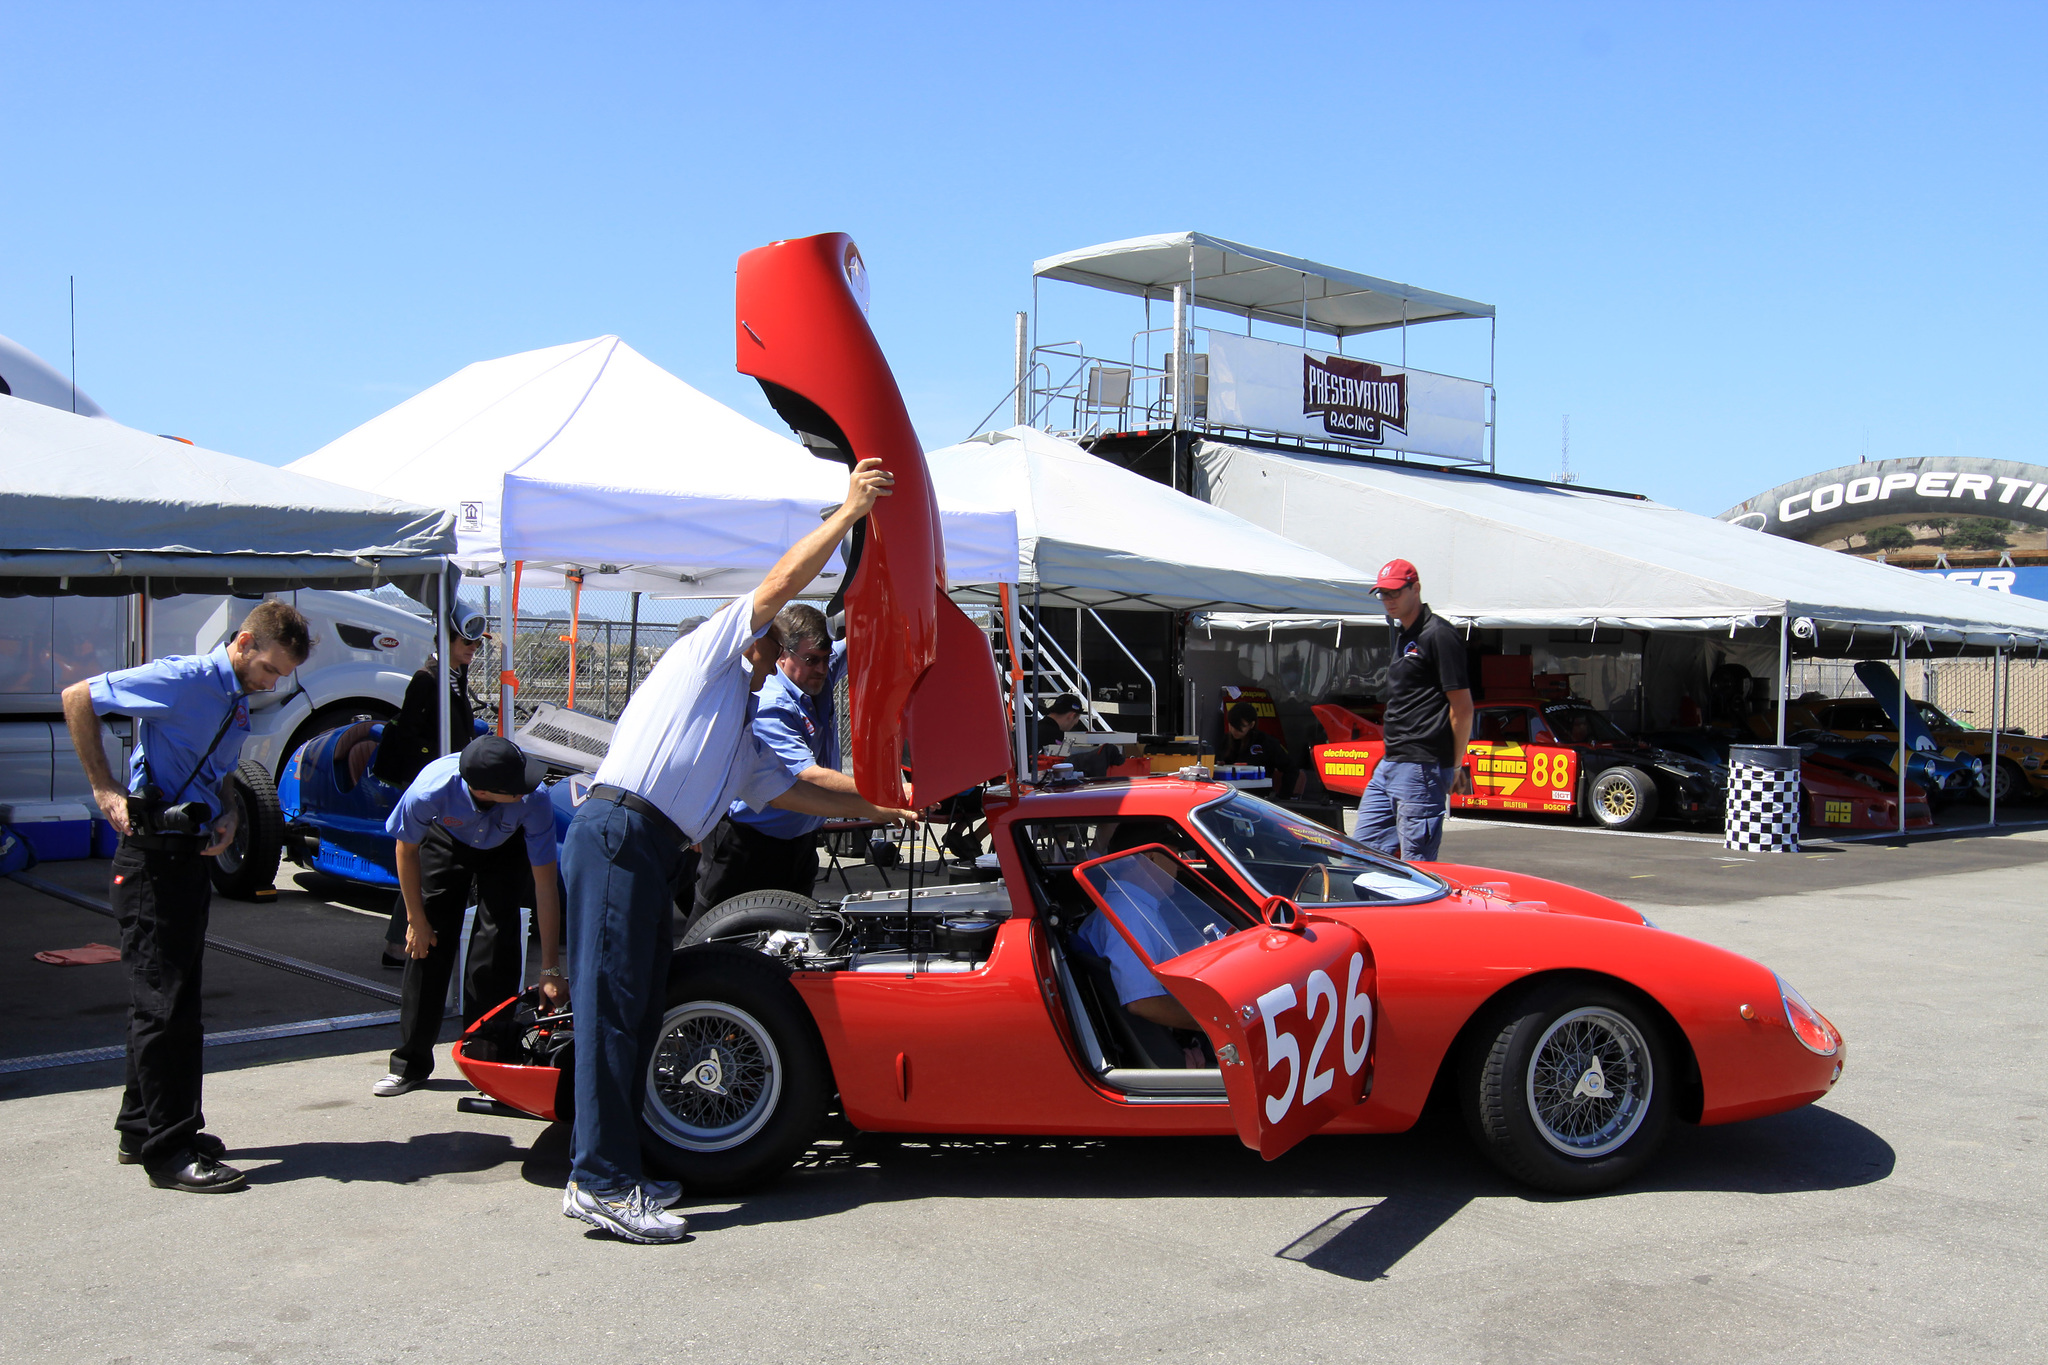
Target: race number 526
[{"x": 1310, "y": 1080}]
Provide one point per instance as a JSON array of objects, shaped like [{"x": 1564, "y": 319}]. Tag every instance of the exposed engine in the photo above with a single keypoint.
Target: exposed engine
[{"x": 933, "y": 929}]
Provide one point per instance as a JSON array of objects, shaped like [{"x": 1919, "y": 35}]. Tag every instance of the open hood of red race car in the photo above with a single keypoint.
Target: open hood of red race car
[{"x": 918, "y": 670}]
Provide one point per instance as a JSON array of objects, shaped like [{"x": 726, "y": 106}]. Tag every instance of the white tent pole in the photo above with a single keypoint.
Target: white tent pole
[
  {"x": 1784, "y": 670},
  {"x": 1902, "y": 732},
  {"x": 1180, "y": 347},
  {"x": 1022, "y": 407},
  {"x": 447, "y": 677},
  {"x": 1997, "y": 723},
  {"x": 508, "y": 677}
]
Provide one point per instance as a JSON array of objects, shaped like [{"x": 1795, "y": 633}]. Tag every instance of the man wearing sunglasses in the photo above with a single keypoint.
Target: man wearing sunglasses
[
  {"x": 1428, "y": 723},
  {"x": 793, "y": 717}
]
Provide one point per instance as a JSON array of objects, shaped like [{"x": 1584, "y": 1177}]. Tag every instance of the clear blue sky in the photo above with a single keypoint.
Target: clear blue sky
[{"x": 1735, "y": 242}]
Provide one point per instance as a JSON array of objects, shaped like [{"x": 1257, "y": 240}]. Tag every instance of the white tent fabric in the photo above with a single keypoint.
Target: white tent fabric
[
  {"x": 591, "y": 456},
  {"x": 1093, "y": 534},
  {"x": 92, "y": 507},
  {"x": 1501, "y": 552}
]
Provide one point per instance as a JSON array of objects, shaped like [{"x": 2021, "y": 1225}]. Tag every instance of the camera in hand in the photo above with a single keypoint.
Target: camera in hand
[{"x": 149, "y": 813}]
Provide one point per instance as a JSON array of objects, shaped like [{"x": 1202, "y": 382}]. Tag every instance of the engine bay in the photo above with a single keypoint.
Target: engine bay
[{"x": 940, "y": 929}]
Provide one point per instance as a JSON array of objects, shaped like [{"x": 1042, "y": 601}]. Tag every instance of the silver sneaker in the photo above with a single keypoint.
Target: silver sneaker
[
  {"x": 662, "y": 1193},
  {"x": 629, "y": 1216},
  {"x": 395, "y": 1084}
]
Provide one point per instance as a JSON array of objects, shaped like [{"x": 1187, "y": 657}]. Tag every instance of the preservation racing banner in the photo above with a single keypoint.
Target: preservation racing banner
[{"x": 1268, "y": 386}]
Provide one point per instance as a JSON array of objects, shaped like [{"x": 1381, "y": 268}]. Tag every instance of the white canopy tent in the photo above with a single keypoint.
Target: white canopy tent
[
  {"x": 1252, "y": 282},
  {"x": 1507, "y": 553},
  {"x": 591, "y": 457},
  {"x": 1093, "y": 534}
]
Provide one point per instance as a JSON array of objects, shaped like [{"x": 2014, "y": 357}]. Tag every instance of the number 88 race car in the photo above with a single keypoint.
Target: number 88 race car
[{"x": 1328, "y": 989}]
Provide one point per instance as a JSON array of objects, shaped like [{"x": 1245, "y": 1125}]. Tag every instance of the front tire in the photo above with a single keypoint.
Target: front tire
[
  {"x": 1622, "y": 798},
  {"x": 738, "y": 1083},
  {"x": 2011, "y": 779},
  {"x": 1570, "y": 1090},
  {"x": 249, "y": 864}
]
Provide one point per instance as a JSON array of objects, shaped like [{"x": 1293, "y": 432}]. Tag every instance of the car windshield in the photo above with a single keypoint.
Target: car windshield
[
  {"x": 1933, "y": 719},
  {"x": 1283, "y": 854},
  {"x": 1584, "y": 725}
]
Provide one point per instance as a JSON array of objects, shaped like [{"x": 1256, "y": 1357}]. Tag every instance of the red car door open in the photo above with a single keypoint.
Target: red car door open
[{"x": 1288, "y": 1004}]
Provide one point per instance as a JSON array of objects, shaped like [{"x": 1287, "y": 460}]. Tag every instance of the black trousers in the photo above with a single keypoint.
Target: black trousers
[
  {"x": 448, "y": 872},
  {"x": 162, "y": 898},
  {"x": 739, "y": 858}
]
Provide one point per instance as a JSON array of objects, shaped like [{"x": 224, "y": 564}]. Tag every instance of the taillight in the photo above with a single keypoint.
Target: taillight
[{"x": 1812, "y": 1030}]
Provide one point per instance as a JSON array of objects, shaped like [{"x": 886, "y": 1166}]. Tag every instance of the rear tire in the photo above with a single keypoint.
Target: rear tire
[
  {"x": 1569, "y": 1088},
  {"x": 249, "y": 864},
  {"x": 1622, "y": 798},
  {"x": 2012, "y": 783},
  {"x": 743, "y": 919},
  {"x": 739, "y": 1083}
]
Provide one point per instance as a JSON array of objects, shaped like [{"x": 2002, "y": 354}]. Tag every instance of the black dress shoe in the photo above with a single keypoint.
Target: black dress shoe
[
  {"x": 392, "y": 962},
  {"x": 198, "y": 1174},
  {"x": 206, "y": 1144}
]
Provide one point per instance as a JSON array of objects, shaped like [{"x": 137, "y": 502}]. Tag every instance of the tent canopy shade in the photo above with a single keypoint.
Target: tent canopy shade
[
  {"x": 589, "y": 457},
  {"x": 1499, "y": 554},
  {"x": 1093, "y": 534},
  {"x": 1252, "y": 282},
  {"x": 107, "y": 507}
]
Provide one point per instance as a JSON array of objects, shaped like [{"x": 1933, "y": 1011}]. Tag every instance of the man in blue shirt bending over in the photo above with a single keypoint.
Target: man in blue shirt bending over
[
  {"x": 792, "y": 716},
  {"x": 191, "y": 714},
  {"x": 474, "y": 818}
]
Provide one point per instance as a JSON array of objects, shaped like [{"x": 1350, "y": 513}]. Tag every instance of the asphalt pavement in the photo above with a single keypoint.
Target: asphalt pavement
[{"x": 1901, "y": 1219}]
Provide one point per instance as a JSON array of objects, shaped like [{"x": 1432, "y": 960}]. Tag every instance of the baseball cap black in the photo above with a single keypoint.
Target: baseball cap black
[
  {"x": 495, "y": 764},
  {"x": 1063, "y": 703}
]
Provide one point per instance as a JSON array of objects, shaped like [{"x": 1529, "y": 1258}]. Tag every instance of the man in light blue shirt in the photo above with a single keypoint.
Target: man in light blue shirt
[
  {"x": 191, "y": 714},
  {"x": 681, "y": 754},
  {"x": 478, "y": 819},
  {"x": 1167, "y": 920},
  {"x": 792, "y": 717}
]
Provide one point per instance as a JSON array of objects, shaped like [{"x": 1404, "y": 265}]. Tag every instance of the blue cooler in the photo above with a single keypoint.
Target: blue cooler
[{"x": 58, "y": 831}]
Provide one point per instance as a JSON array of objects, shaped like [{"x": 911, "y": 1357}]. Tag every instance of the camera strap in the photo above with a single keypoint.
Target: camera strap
[{"x": 234, "y": 707}]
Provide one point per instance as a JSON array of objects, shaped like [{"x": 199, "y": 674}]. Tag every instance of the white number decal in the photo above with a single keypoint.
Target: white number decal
[
  {"x": 1314, "y": 1083},
  {"x": 1357, "y": 1011},
  {"x": 1280, "y": 1047}
]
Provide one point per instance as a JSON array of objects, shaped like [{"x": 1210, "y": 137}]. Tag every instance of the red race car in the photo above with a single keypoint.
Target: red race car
[{"x": 1166, "y": 957}]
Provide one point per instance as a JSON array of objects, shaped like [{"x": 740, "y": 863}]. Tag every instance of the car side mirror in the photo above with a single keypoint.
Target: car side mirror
[{"x": 1281, "y": 913}]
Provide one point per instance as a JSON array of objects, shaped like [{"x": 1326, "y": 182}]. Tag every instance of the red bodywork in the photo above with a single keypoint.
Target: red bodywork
[
  {"x": 995, "y": 1049},
  {"x": 918, "y": 669}
]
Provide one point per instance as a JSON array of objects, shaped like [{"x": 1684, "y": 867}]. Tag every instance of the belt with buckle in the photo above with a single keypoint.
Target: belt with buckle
[{"x": 635, "y": 802}]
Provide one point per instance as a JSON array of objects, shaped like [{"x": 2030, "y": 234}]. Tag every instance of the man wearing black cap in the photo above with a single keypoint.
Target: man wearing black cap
[
  {"x": 1428, "y": 723},
  {"x": 1063, "y": 715},
  {"x": 456, "y": 825}
]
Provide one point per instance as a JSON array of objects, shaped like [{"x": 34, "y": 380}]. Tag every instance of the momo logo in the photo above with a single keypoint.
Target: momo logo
[{"x": 1355, "y": 398}]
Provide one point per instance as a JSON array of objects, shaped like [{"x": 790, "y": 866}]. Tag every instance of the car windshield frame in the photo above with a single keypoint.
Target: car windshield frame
[{"x": 1204, "y": 818}]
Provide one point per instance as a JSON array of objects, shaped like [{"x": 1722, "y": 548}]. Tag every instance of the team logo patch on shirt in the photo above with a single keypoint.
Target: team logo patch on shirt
[{"x": 1412, "y": 650}]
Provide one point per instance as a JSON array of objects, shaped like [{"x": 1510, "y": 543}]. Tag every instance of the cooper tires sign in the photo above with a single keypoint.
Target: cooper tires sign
[{"x": 1836, "y": 504}]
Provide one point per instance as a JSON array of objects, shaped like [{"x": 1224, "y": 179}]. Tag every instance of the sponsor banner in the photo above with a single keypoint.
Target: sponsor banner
[
  {"x": 2027, "y": 582},
  {"x": 1268, "y": 386},
  {"x": 1903, "y": 491}
]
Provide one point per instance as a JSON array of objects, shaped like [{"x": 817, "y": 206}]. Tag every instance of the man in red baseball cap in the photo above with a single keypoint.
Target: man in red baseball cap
[{"x": 1428, "y": 723}]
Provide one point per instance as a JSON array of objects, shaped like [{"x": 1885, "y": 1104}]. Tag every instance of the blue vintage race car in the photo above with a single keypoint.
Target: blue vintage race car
[{"x": 332, "y": 807}]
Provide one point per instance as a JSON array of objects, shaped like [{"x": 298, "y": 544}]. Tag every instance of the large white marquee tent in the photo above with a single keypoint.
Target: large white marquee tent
[
  {"x": 591, "y": 457},
  {"x": 1506, "y": 553}
]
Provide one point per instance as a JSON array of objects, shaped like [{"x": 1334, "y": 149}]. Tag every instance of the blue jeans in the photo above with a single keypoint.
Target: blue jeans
[
  {"x": 1402, "y": 811},
  {"x": 623, "y": 872}
]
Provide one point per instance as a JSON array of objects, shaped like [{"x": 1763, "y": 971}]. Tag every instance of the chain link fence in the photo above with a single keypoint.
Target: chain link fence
[
  {"x": 1962, "y": 688},
  {"x": 612, "y": 653}
]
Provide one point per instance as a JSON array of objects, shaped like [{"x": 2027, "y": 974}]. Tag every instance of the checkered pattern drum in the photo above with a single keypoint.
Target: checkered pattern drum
[{"x": 1763, "y": 799}]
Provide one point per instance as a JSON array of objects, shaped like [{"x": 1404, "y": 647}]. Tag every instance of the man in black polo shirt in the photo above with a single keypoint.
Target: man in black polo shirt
[{"x": 1428, "y": 722}]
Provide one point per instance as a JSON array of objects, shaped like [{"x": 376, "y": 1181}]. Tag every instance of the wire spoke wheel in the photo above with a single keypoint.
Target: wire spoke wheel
[
  {"x": 714, "y": 1079},
  {"x": 1589, "y": 1082}
]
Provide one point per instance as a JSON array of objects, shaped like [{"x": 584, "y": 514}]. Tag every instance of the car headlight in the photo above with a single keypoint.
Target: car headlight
[{"x": 1812, "y": 1030}]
